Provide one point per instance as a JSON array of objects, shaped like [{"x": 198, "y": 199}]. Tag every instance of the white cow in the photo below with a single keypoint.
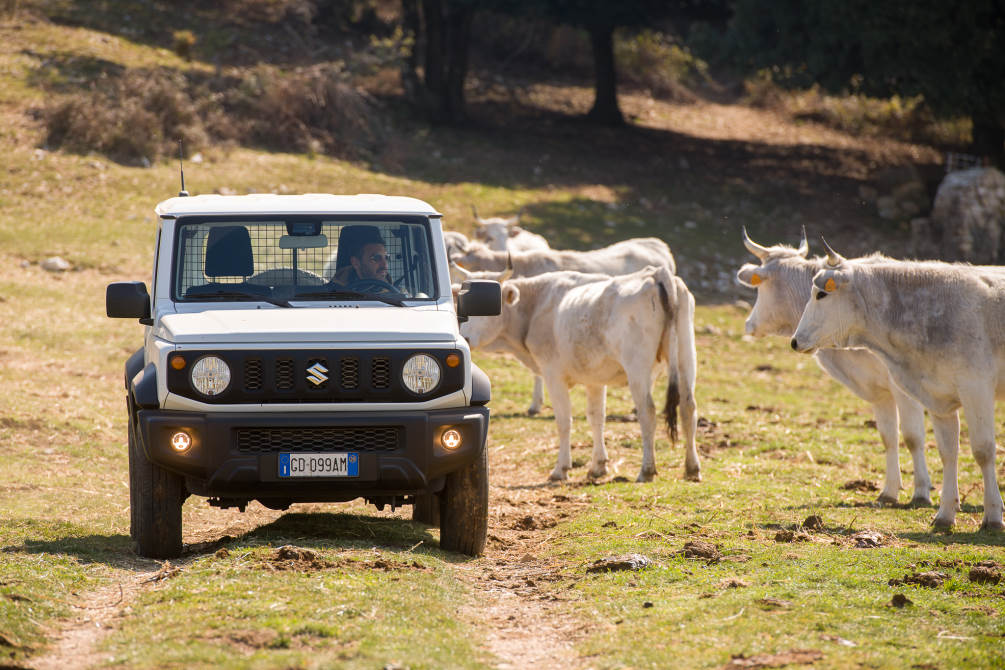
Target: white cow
[
  {"x": 455, "y": 242},
  {"x": 502, "y": 234},
  {"x": 940, "y": 329},
  {"x": 781, "y": 281},
  {"x": 617, "y": 259},
  {"x": 575, "y": 328}
]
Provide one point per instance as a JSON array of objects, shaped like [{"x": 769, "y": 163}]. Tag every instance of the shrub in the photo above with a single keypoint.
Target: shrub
[
  {"x": 141, "y": 115},
  {"x": 137, "y": 116},
  {"x": 908, "y": 119},
  {"x": 307, "y": 109},
  {"x": 184, "y": 40},
  {"x": 652, "y": 60}
]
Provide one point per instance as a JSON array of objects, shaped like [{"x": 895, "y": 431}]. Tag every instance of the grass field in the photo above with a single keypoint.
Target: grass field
[{"x": 735, "y": 579}]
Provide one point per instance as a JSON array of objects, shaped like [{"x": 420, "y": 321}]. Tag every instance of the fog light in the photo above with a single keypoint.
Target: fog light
[
  {"x": 451, "y": 438},
  {"x": 181, "y": 441}
]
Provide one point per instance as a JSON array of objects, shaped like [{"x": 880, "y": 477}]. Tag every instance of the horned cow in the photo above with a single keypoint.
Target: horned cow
[
  {"x": 502, "y": 234},
  {"x": 940, "y": 330},
  {"x": 574, "y": 328},
  {"x": 781, "y": 281}
]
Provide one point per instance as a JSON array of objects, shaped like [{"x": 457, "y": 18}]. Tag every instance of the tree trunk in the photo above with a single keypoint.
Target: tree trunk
[
  {"x": 605, "y": 105},
  {"x": 459, "y": 32},
  {"x": 989, "y": 139},
  {"x": 442, "y": 35}
]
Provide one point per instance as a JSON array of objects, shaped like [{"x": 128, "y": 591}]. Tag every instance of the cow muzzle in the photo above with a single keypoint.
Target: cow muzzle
[{"x": 801, "y": 349}]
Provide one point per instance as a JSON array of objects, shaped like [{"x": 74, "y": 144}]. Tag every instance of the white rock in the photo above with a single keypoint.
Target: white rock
[{"x": 55, "y": 264}]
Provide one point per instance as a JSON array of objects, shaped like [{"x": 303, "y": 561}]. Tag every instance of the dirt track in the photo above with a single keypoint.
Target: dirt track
[{"x": 520, "y": 618}]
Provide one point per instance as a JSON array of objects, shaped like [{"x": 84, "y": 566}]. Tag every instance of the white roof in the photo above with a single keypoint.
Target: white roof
[{"x": 308, "y": 203}]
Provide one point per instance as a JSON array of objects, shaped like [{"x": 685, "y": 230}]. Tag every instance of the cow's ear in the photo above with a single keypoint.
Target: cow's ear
[
  {"x": 510, "y": 294},
  {"x": 750, "y": 275}
]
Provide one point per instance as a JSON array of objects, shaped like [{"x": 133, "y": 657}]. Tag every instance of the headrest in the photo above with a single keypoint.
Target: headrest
[
  {"x": 352, "y": 239},
  {"x": 228, "y": 252}
]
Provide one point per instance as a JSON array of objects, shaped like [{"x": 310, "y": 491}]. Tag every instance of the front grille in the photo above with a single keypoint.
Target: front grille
[
  {"x": 316, "y": 376},
  {"x": 381, "y": 372},
  {"x": 271, "y": 440},
  {"x": 350, "y": 374},
  {"x": 284, "y": 374},
  {"x": 253, "y": 374}
]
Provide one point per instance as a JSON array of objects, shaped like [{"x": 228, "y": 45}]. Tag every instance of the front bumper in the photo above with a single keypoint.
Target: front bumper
[{"x": 236, "y": 455}]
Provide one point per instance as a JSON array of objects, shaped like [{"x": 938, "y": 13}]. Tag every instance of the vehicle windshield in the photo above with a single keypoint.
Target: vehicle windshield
[{"x": 281, "y": 260}]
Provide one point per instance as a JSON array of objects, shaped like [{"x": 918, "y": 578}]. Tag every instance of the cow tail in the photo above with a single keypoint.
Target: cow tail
[{"x": 668, "y": 299}]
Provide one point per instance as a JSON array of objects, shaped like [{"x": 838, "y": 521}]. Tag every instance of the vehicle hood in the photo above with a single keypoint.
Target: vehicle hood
[{"x": 369, "y": 325}]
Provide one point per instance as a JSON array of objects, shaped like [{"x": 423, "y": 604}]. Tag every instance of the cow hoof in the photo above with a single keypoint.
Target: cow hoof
[
  {"x": 533, "y": 411},
  {"x": 692, "y": 475},
  {"x": 992, "y": 526},
  {"x": 645, "y": 476},
  {"x": 920, "y": 501},
  {"x": 942, "y": 524},
  {"x": 558, "y": 475},
  {"x": 886, "y": 499},
  {"x": 598, "y": 473}
]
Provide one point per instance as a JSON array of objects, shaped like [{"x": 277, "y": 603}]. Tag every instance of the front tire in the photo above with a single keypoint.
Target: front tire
[
  {"x": 464, "y": 508},
  {"x": 155, "y": 499}
]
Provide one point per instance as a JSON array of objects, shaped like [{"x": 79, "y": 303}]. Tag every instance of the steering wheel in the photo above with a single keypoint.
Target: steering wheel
[{"x": 372, "y": 285}]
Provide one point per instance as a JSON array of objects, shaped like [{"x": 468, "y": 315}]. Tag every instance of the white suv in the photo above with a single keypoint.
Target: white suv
[{"x": 275, "y": 367}]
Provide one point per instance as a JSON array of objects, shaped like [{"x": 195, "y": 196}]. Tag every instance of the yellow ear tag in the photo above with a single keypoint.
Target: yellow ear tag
[
  {"x": 830, "y": 285},
  {"x": 755, "y": 279}
]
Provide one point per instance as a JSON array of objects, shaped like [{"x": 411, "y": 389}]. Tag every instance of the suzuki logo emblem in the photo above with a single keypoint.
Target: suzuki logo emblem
[{"x": 316, "y": 374}]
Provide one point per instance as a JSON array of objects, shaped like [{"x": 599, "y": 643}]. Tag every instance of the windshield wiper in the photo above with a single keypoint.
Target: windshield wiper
[
  {"x": 224, "y": 293},
  {"x": 345, "y": 293}
]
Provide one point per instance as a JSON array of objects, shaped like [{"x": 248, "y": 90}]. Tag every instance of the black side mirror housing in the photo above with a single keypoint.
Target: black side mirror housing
[
  {"x": 479, "y": 297},
  {"x": 128, "y": 300}
]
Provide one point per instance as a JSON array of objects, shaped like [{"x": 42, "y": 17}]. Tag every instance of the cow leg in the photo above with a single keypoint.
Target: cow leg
[
  {"x": 596, "y": 412},
  {"x": 641, "y": 388},
  {"x": 979, "y": 409},
  {"x": 688, "y": 410},
  {"x": 885, "y": 411},
  {"x": 537, "y": 400},
  {"x": 947, "y": 437},
  {"x": 912, "y": 428},
  {"x": 687, "y": 367},
  {"x": 559, "y": 393}
]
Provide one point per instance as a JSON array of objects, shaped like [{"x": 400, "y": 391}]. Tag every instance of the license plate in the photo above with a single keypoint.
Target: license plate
[{"x": 319, "y": 465}]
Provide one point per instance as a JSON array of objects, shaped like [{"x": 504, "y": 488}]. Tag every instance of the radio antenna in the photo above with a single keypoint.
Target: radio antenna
[{"x": 181, "y": 168}]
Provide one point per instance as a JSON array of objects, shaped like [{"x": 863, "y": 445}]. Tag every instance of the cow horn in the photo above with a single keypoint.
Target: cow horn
[
  {"x": 804, "y": 246},
  {"x": 753, "y": 247},
  {"x": 466, "y": 273},
  {"x": 474, "y": 211},
  {"x": 834, "y": 259},
  {"x": 508, "y": 272}
]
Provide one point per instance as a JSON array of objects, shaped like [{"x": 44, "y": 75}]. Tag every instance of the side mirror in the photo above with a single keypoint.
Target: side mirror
[
  {"x": 479, "y": 297},
  {"x": 128, "y": 300}
]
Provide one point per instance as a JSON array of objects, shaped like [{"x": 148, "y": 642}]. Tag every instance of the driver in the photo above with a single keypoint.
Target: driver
[{"x": 368, "y": 261}]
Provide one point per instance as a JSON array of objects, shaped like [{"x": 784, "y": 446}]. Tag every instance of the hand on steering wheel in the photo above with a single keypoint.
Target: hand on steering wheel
[{"x": 372, "y": 285}]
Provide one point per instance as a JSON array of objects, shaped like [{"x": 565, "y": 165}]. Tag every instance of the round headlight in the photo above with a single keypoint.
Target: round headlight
[
  {"x": 421, "y": 373},
  {"x": 210, "y": 375}
]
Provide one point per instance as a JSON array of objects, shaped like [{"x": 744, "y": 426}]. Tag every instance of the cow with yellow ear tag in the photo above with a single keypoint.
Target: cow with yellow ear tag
[
  {"x": 783, "y": 281},
  {"x": 938, "y": 327}
]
